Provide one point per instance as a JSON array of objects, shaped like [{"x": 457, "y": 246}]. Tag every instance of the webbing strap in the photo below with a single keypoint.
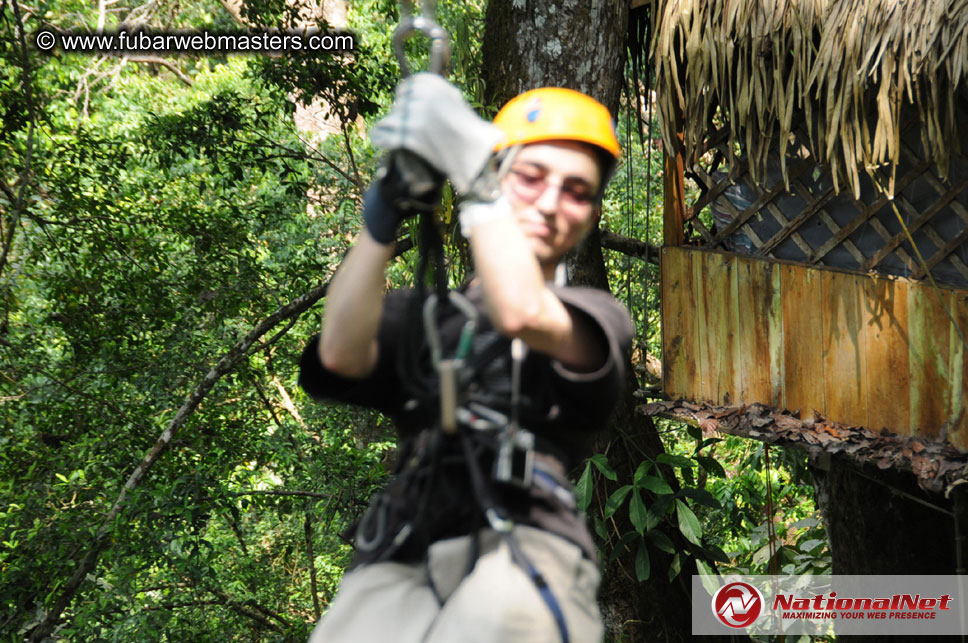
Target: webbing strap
[{"x": 522, "y": 561}]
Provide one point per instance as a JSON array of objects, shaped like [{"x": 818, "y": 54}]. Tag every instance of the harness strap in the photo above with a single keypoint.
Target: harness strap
[{"x": 522, "y": 561}]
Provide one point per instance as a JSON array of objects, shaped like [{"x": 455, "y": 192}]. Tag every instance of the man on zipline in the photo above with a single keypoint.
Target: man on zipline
[{"x": 477, "y": 536}]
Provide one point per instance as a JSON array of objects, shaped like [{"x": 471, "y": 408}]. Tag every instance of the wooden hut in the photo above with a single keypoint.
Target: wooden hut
[{"x": 815, "y": 259}]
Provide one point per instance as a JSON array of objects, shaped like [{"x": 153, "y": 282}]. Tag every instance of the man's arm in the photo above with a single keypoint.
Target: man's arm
[
  {"x": 521, "y": 305},
  {"x": 429, "y": 123},
  {"x": 354, "y": 305}
]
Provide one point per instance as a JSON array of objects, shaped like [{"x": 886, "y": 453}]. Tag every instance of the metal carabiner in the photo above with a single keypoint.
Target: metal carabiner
[
  {"x": 448, "y": 370},
  {"x": 462, "y": 304},
  {"x": 425, "y": 24}
]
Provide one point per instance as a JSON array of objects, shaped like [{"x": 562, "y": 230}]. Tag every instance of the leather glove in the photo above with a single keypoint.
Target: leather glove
[
  {"x": 380, "y": 218},
  {"x": 405, "y": 186},
  {"x": 432, "y": 120}
]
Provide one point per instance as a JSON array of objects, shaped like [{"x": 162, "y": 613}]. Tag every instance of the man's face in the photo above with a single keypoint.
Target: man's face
[{"x": 552, "y": 188}]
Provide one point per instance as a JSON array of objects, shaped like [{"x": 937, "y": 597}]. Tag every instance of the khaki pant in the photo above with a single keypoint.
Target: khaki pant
[{"x": 496, "y": 603}]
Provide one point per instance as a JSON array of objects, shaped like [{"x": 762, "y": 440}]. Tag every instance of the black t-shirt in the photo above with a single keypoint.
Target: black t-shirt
[{"x": 561, "y": 407}]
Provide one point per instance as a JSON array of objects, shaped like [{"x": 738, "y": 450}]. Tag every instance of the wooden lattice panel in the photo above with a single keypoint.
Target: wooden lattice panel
[
  {"x": 863, "y": 350},
  {"x": 802, "y": 218}
]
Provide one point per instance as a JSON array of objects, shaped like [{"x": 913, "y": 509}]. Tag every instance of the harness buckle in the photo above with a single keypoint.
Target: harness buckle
[{"x": 514, "y": 464}]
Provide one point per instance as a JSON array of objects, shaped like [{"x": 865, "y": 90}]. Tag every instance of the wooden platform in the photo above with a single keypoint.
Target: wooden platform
[
  {"x": 867, "y": 351},
  {"x": 936, "y": 466}
]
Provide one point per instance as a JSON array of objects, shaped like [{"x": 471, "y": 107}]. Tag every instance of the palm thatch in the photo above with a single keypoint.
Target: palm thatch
[{"x": 845, "y": 68}]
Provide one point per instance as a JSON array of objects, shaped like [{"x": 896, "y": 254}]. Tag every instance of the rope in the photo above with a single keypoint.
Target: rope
[
  {"x": 629, "y": 202},
  {"x": 770, "y": 512},
  {"x": 771, "y": 523}
]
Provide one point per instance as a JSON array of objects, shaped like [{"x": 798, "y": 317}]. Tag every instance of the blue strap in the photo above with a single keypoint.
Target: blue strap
[
  {"x": 521, "y": 559},
  {"x": 550, "y": 601}
]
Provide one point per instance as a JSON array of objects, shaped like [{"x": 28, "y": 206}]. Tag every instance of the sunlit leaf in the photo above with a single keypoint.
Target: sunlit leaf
[
  {"x": 675, "y": 460},
  {"x": 583, "y": 490},
  {"x": 637, "y": 512},
  {"x": 688, "y": 523},
  {"x": 601, "y": 463},
  {"x": 661, "y": 541},
  {"x": 654, "y": 484}
]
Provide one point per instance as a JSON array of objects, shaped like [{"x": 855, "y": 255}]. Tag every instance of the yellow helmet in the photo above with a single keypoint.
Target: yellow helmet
[{"x": 556, "y": 113}]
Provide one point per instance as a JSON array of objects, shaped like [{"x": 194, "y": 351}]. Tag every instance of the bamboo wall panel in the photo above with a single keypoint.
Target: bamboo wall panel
[
  {"x": 929, "y": 351},
  {"x": 870, "y": 351},
  {"x": 845, "y": 328},
  {"x": 718, "y": 328},
  {"x": 958, "y": 432},
  {"x": 888, "y": 373},
  {"x": 760, "y": 358},
  {"x": 702, "y": 389},
  {"x": 801, "y": 304},
  {"x": 679, "y": 335}
]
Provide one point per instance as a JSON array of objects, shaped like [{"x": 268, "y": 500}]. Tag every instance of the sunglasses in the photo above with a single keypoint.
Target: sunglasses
[{"x": 529, "y": 182}]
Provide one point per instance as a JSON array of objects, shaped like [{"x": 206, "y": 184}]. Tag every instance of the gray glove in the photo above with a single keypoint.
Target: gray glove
[{"x": 430, "y": 118}]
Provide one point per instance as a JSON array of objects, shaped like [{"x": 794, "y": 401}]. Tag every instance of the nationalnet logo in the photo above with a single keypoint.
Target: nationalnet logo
[
  {"x": 831, "y": 606},
  {"x": 823, "y": 605},
  {"x": 737, "y": 604}
]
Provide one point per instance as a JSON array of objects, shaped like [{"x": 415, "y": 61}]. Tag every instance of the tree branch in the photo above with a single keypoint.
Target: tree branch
[
  {"x": 287, "y": 401},
  {"x": 631, "y": 247},
  {"x": 280, "y": 492},
  {"x": 238, "y": 533},
  {"x": 241, "y": 608},
  {"x": 156, "y": 60},
  {"x": 266, "y": 402},
  {"x": 308, "y": 529},
  {"x": 234, "y": 9}
]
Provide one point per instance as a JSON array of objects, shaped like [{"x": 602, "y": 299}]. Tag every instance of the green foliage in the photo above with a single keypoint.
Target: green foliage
[
  {"x": 801, "y": 542},
  {"x": 161, "y": 223},
  {"x": 151, "y": 225},
  {"x": 709, "y": 505}
]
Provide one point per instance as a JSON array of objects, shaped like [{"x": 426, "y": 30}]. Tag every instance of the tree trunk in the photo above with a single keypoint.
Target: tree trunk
[
  {"x": 574, "y": 44},
  {"x": 578, "y": 44},
  {"x": 581, "y": 45},
  {"x": 881, "y": 522}
]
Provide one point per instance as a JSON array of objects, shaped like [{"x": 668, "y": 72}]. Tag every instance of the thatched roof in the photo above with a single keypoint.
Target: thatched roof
[{"x": 845, "y": 68}]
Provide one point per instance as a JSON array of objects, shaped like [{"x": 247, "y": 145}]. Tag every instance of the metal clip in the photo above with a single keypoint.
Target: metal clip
[
  {"x": 448, "y": 370},
  {"x": 376, "y": 511},
  {"x": 498, "y": 523},
  {"x": 425, "y": 24},
  {"x": 514, "y": 464}
]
